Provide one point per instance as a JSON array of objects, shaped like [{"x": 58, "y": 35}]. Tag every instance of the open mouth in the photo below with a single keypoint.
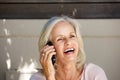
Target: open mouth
[{"x": 70, "y": 50}]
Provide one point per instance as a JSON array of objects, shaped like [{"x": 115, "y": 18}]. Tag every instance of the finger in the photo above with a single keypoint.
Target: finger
[
  {"x": 42, "y": 51},
  {"x": 41, "y": 57},
  {"x": 47, "y": 53},
  {"x": 47, "y": 48},
  {"x": 50, "y": 55}
]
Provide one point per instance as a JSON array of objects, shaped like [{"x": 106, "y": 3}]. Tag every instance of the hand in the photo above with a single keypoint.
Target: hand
[{"x": 45, "y": 59}]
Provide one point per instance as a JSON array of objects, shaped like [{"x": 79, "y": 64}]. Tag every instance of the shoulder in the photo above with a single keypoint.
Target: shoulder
[
  {"x": 94, "y": 72},
  {"x": 92, "y": 67},
  {"x": 38, "y": 76}
]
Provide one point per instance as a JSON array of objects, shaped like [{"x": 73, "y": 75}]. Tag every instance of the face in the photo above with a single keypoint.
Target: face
[{"x": 65, "y": 42}]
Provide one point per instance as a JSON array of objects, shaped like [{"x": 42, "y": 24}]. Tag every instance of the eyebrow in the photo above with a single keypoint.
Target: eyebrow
[
  {"x": 63, "y": 35},
  {"x": 72, "y": 33},
  {"x": 59, "y": 36}
]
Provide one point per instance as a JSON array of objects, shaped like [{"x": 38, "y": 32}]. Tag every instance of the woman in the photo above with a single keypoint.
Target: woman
[{"x": 67, "y": 46}]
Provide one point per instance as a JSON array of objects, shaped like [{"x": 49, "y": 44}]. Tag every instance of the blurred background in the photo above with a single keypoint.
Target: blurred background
[
  {"x": 19, "y": 53},
  {"x": 21, "y": 22}
]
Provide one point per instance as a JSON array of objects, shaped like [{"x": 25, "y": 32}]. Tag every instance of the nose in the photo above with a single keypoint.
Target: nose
[{"x": 68, "y": 41}]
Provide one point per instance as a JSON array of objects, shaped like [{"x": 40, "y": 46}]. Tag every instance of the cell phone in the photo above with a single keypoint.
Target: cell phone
[{"x": 53, "y": 57}]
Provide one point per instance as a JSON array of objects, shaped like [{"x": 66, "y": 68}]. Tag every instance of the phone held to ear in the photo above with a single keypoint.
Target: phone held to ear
[{"x": 53, "y": 57}]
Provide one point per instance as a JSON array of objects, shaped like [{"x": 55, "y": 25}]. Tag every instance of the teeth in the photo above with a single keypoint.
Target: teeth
[{"x": 69, "y": 50}]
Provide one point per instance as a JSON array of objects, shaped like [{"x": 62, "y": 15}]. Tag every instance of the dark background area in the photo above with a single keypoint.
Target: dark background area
[{"x": 44, "y": 9}]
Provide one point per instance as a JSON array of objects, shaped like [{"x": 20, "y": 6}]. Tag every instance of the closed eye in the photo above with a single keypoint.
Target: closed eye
[
  {"x": 60, "y": 39},
  {"x": 72, "y": 36}
]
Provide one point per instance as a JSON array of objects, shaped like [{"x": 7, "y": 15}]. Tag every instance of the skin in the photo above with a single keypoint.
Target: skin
[{"x": 63, "y": 37}]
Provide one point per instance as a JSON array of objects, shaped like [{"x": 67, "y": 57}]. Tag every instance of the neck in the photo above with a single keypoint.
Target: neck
[{"x": 67, "y": 72}]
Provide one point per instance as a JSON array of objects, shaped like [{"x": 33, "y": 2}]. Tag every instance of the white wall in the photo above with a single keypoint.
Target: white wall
[{"x": 18, "y": 43}]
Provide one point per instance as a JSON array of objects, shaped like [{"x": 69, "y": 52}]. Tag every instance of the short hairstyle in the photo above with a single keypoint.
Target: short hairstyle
[{"x": 47, "y": 28}]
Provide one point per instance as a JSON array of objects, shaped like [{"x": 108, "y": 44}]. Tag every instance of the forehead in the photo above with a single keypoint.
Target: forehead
[
  {"x": 64, "y": 25},
  {"x": 62, "y": 29}
]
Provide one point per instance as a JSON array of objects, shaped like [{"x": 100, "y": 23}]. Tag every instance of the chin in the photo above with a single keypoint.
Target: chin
[{"x": 71, "y": 59}]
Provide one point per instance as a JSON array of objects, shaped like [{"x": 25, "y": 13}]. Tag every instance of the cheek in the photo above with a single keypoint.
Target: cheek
[{"x": 58, "y": 48}]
